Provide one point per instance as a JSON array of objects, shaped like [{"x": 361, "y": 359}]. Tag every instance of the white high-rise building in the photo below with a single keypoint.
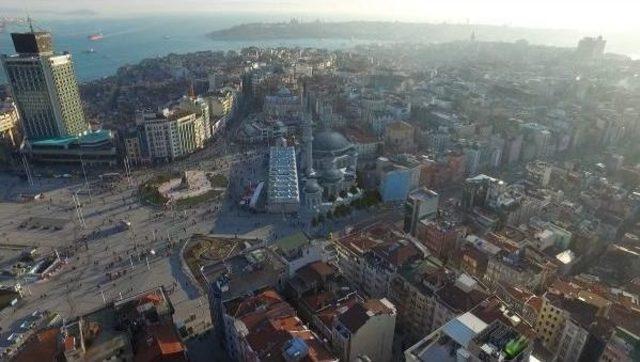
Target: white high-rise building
[
  {"x": 173, "y": 134},
  {"x": 44, "y": 88}
]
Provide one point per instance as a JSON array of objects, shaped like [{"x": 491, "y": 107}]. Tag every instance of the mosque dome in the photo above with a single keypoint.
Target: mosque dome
[
  {"x": 311, "y": 186},
  {"x": 330, "y": 142},
  {"x": 332, "y": 175}
]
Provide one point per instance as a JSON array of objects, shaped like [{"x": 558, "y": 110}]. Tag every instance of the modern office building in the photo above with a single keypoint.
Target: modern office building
[
  {"x": 44, "y": 88},
  {"x": 397, "y": 177},
  {"x": 590, "y": 48},
  {"x": 421, "y": 204}
]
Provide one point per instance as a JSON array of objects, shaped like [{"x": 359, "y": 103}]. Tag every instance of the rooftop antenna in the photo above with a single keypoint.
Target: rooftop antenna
[
  {"x": 30, "y": 22},
  {"x": 192, "y": 91}
]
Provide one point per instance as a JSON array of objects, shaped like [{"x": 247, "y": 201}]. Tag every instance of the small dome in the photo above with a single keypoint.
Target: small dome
[
  {"x": 311, "y": 186},
  {"x": 332, "y": 175},
  {"x": 329, "y": 141}
]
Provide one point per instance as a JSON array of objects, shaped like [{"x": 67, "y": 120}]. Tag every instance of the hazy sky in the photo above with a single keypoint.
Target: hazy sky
[{"x": 592, "y": 15}]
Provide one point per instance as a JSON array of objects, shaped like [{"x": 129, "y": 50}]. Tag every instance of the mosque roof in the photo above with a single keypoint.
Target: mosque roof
[{"x": 330, "y": 141}]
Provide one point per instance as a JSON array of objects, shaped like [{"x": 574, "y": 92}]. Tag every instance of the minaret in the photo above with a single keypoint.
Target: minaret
[{"x": 307, "y": 138}]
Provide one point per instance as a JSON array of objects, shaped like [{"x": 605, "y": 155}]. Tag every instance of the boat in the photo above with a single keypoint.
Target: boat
[
  {"x": 96, "y": 36},
  {"x": 89, "y": 51},
  {"x": 166, "y": 37}
]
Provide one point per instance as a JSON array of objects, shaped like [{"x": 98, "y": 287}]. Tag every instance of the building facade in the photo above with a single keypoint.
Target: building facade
[
  {"x": 422, "y": 204},
  {"x": 173, "y": 134},
  {"x": 9, "y": 123},
  {"x": 44, "y": 88}
]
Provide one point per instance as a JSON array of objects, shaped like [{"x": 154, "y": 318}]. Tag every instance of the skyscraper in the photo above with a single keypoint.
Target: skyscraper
[{"x": 44, "y": 87}]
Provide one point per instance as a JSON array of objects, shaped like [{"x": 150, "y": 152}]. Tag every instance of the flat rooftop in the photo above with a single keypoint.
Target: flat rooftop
[{"x": 245, "y": 272}]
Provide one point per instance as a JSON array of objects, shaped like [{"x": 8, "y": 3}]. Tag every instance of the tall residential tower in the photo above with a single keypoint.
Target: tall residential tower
[{"x": 44, "y": 87}]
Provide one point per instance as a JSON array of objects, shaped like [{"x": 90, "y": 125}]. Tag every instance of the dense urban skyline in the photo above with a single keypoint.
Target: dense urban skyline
[{"x": 331, "y": 191}]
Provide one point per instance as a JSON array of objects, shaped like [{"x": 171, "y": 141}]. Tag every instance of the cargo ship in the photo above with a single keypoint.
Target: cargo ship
[{"x": 96, "y": 36}]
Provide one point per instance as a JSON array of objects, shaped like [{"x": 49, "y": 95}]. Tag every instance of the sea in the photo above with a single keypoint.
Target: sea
[{"x": 128, "y": 40}]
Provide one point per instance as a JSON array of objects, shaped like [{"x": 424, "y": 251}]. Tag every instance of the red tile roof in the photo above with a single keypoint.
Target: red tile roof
[
  {"x": 43, "y": 346},
  {"x": 160, "y": 342},
  {"x": 271, "y": 323}
]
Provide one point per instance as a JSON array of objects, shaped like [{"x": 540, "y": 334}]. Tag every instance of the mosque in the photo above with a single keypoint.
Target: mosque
[{"x": 328, "y": 163}]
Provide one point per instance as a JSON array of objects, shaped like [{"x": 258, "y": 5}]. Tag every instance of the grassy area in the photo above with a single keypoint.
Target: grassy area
[
  {"x": 150, "y": 194},
  {"x": 207, "y": 196},
  {"x": 192, "y": 257},
  {"x": 149, "y": 190},
  {"x": 202, "y": 245},
  {"x": 6, "y": 296},
  {"x": 218, "y": 181}
]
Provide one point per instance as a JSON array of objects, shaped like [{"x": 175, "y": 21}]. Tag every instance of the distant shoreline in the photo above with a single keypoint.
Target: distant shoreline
[{"x": 393, "y": 31}]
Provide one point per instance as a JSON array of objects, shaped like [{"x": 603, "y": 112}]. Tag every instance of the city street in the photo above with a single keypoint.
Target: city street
[{"x": 104, "y": 263}]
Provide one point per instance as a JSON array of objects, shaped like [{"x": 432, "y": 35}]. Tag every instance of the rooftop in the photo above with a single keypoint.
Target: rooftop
[
  {"x": 400, "y": 126},
  {"x": 245, "y": 272},
  {"x": 275, "y": 333},
  {"x": 359, "y": 135},
  {"x": 467, "y": 335},
  {"x": 42, "y": 346},
  {"x": 428, "y": 275},
  {"x": 461, "y": 297},
  {"x": 140, "y": 326},
  {"x": 329, "y": 142},
  {"x": 443, "y": 344},
  {"x": 423, "y": 194},
  {"x": 291, "y": 243},
  {"x": 283, "y": 175}
]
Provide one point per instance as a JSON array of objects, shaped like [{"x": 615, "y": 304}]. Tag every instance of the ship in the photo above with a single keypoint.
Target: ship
[{"x": 96, "y": 36}]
